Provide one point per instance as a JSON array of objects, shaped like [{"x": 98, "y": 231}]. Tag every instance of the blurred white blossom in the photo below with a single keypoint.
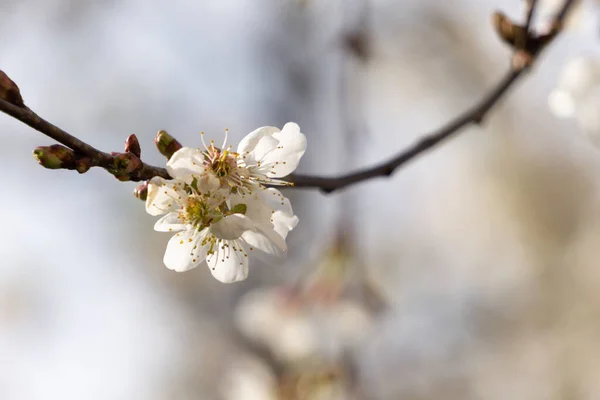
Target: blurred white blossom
[
  {"x": 296, "y": 327},
  {"x": 249, "y": 379},
  {"x": 577, "y": 94}
]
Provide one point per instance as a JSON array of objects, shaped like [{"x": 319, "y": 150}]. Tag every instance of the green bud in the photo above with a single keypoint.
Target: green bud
[
  {"x": 166, "y": 144},
  {"x": 55, "y": 157},
  {"x": 239, "y": 209}
]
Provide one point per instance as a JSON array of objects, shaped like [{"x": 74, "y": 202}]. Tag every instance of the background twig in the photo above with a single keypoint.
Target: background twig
[{"x": 475, "y": 115}]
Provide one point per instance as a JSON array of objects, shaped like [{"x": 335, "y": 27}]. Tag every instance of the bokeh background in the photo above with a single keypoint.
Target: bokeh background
[{"x": 472, "y": 273}]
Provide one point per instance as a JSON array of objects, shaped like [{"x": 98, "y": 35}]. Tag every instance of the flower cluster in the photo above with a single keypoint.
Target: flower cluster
[{"x": 218, "y": 204}]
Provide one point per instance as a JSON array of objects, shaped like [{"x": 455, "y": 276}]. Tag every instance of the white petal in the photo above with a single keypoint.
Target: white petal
[
  {"x": 208, "y": 182},
  {"x": 184, "y": 251},
  {"x": 169, "y": 223},
  {"x": 164, "y": 196},
  {"x": 231, "y": 227},
  {"x": 264, "y": 146},
  {"x": 229, "y": 262},
  {"x": 186, "y": 163},
  {"x": 268, "y": 246},
  {"x": 268, "y": 209},
  {"x": 284, "y": 158},
  {"x": 257, "y": 209},
  {"x": 282, "y": 217},
  {"x": 249, "y": 142}
]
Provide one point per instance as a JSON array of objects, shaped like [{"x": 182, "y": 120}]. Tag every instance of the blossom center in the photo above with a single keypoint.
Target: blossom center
[
  {"x": 222, "y": 163},
  {"x": 197, "y": 212}
]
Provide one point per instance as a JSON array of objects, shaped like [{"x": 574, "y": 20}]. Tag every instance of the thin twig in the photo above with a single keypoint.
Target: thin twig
[
  {"x": 474, "y": 115},
  {"x": 531, "y": 5}
]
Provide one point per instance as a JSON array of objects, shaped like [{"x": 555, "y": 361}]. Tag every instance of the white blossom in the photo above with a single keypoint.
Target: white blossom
[
  {"x": 577, "y": 94},
  {"x": 220, "y": 209},
  {"x": 268, "y": 153},
  {"x": 262, "y": 157},
  {"x": 249, "y": 379},
  {"x": 296, "y": 327},
  {"x": 219, "y": 229}
]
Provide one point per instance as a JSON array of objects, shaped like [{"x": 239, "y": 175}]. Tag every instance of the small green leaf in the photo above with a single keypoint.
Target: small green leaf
[{"x": 239, "y": 209}]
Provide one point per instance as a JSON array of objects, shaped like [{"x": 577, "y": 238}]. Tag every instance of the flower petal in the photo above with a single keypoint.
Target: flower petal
[
  {"x": 282, "y": 216},
  {"x": 229, "y": 262},
  {"x": 186, "y": 164},
  {"x": 264, "y": 146},
  {"x": 268, "y": 209},
  {"x": 268, "y": 246},
  {"x": 283, "y": 159},
  {"x": 248, "y": 143},
  {"x": 163, "y": 196},
  {"x": 185, "y": 251},
  {"x": 231, "y": 227},
  {"x": 169, "y": 223},
  {"x": 257, "y": 210}
]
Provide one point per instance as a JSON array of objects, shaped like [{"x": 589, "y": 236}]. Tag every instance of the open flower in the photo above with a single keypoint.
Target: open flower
[
  {"x": 220, "y": 209},
  {"x": 221, "y": 229},
  {"x": 262, "y": 157},
  {"x": 268, "y": 153}
]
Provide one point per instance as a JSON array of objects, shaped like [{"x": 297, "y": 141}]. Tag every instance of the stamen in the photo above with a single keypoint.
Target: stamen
[
  {"x": 225, "y": 141},
  {"x": 203, "y": 142}
]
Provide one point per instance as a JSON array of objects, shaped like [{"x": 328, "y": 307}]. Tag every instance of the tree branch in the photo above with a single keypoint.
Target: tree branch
[
  {"x": 96, "y": 157},
  {"x": 474, "y": 115},
  {"x": 128, "y": 166}
]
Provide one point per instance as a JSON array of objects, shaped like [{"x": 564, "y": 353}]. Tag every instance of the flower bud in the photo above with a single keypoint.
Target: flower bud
[
  {"x": 141, "y": 192},
  {"x": 125, "y": 163},
  {"x": 132, "y": 145},
  {"x": 55, "y": 156},
  {"x": 511, "y": 33},
  {"x": 9, "y": 91},
  {"x": 83, "y": 164},
  {"x": 166, "y": 144}
]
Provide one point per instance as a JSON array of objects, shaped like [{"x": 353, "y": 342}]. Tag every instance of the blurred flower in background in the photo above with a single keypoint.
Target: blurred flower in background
[
  {"x": 577, "y": 94},
  {"x": 310, "y": 330}
]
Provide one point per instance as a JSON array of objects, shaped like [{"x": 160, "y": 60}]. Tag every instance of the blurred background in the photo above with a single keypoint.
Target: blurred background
[{"x": 472, "y": 273}]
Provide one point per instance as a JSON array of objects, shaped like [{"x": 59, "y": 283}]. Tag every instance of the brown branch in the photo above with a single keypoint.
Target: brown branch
[
  {"x": 128, "y": 166},
  {"x": 474, "y": 115},
  {"x": 96, "y": 157},
  {"x": 522, "y": 61}
]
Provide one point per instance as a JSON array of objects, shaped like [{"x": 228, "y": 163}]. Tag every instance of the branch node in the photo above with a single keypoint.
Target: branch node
[{"x": 388, "y": 171}]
